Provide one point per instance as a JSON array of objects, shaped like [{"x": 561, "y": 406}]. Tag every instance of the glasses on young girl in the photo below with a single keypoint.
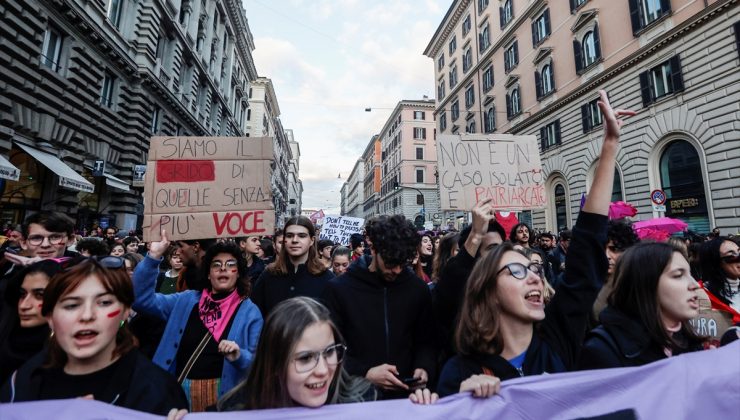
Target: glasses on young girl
[
  {"x": 519, "y": 270},
  {"x": 306, "y": 361}
]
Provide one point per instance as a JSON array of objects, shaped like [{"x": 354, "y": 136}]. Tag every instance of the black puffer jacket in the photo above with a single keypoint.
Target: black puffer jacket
[
  {"x": 622, "y": 341},
  {"x": 137, "y": 384},
  {"x": 381, "y": 321}
]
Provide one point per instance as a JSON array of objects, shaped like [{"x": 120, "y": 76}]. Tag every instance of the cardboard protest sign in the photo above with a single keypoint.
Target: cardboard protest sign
[
  {"x": 208, "y": 187},
  {"x": 501, "y": 167},
  {"x": 338, "y": 229},
  {"x": 710, "y": 322}
]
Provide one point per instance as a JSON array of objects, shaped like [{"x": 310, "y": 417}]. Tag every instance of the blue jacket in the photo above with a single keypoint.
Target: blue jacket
[{"x": 176, "y": 308}]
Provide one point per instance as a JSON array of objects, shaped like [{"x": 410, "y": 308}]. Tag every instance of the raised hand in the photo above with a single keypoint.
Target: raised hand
[
  {"x": 157, "y": 249},
  {"x": 612, "y": 117}
]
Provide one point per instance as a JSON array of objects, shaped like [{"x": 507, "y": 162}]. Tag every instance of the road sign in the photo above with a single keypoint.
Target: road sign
[
  {"x": 658, "y": 197},
  {"x": 659, "y": 207}
]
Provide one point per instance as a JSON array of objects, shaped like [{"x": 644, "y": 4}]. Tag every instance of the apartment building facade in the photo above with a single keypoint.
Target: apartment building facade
[
  {"x": 371, "y": 158},
  {"x": 263, "y": 120},
  {"x": 535, "y": 67},
  {"x": 409, "y": 163},
  {"x": 85, "y": 84},
  {"x": 355, "y": 190},
  {"x": 295, "y": 185}
]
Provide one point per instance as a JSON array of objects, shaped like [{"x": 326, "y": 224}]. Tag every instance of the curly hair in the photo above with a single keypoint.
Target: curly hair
[
  {"x": 243, "y": 283},
  {"x": 621, "y": 234},
  {"x": 394, "y": 238}
]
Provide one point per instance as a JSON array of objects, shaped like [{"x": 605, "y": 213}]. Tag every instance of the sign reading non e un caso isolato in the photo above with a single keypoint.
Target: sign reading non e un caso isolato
[
  {"x": 503, "y": 168},
  {"x": 208, "y": 187}
]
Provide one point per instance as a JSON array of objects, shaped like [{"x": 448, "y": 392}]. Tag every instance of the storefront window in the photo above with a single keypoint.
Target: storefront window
[
  {"x": 682, "y": 180},
  {"x": 25, "y": 194}
]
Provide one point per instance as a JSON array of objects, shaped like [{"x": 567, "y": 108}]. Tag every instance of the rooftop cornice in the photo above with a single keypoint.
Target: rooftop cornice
[{"x": 453, "y": 15}]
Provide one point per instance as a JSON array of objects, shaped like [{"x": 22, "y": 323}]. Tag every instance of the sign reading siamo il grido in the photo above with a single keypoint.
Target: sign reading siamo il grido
[{"x": 208, "y": 187}]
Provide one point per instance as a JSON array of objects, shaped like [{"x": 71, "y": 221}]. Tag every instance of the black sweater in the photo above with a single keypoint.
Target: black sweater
[
  {"x": 271, "y": 289},
  {"x": 135, "y": 383},
  {"x": 557, "y": 340},
  {"x": 381, "y": 321}
]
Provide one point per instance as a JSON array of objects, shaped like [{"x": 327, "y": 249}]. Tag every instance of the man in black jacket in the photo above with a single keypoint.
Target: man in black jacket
[
  {"x": 475, "y": 242},
  {"x": 385, "y": 312}
]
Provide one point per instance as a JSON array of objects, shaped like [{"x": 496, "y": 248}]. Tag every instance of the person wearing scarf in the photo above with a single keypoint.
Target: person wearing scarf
[{"x": 211, "y": 334}]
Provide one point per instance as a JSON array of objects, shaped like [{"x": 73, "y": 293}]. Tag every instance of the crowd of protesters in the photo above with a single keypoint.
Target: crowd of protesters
[{"x": 290, "y": 320}]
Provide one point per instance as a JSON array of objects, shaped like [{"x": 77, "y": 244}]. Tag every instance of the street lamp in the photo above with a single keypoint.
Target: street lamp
[{"x": 396, "y": 186}]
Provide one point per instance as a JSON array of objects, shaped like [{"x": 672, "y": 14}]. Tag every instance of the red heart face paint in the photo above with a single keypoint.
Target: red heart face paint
[{"x": 114, "y": 313}]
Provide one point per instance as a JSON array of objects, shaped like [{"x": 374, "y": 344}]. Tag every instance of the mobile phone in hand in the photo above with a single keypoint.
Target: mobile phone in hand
[{"x": 409, "y": 380}]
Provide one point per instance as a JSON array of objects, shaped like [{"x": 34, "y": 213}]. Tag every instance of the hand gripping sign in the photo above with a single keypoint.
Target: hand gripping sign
[
  {"x": 503, "y": 168},
  {"x": 208, "y": 187}
]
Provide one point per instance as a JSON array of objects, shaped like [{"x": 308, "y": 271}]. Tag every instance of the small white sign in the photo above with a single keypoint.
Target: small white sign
[{"x": 658, "y": 207}]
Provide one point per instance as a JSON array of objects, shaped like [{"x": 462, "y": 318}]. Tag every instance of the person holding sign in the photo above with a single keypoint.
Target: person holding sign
[
  {"x": 297, "y": 270},
  {"x": 212, "y": 333},
  {"x": 505, "y": 330}
]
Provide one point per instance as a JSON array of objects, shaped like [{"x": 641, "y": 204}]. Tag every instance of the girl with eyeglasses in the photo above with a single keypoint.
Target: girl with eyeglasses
[
  {"x": 719, "y": 260},
  {"x": 505, "y": 330},
  {"x": 91, "y": 352},
  {"x": 211, "y": 334},
  {"x": 298, "y": 363}
]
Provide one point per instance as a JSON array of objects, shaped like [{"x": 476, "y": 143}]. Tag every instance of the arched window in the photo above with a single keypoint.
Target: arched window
[
  {"x": 561, "y": 210},
  {"x": 682, "y": 180},
  {"x": 516, "y": 102},
  {"x": 490, "y": 120},
  {"x": 547, "y": 84}
]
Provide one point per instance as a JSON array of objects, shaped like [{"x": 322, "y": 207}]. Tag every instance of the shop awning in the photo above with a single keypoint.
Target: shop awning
[
  {"x": 8, "y": 171},
  {"x": 68, "y": 178},
  {"x": 114, "y": 182}
]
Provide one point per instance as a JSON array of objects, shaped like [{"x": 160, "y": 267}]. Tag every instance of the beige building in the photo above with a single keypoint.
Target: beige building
[
  {"x": 371, "y": 158},
  {"x": 535, "y": 66},
  {"x": 409, "y": 163}
]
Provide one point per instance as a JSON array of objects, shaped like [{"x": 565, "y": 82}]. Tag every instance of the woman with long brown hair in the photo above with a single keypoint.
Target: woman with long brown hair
[
  {"x": 505, "y": 329},
  {"x": 91, "y": 352},
  {"x": 297, "y": 271}
]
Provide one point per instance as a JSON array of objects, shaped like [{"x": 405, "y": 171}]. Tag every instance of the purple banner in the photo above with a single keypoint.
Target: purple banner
[{"x": 692, "y": 386}]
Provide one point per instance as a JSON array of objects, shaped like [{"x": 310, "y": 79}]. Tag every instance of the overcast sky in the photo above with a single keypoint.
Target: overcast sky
[{"x": 331, "y": 59}]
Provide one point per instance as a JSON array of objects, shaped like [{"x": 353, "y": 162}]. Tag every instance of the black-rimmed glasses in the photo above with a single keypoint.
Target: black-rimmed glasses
[
  {"x": 306, "y": 361},
  {"x": 519, "y": 270},
  {"x": 54, "y": 239}
]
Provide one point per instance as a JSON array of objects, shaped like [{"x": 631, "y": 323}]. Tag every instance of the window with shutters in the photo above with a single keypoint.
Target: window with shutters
[
  {"x": 420, "y": 133},
  {"x": 488, "y": 78},
  {"x": 467, "y": 59},
  {"x": 453, "y": 76},
  {"x": 541, "y": 28},
  {"x": 469, "y": 97},
  {"x": 576, "y": 4},
  {"x": 470, "y": 126},
  {"x": 453, "y": 45},
  {"x": 482, "y": 4},
  {"x": 419, "y": 175},
  {"x": 511, "y": 57},
  {"x": 513, "y": 103},
  {"x": 441, "y": 89},
  {"x": 544, "y": 81},
  {"x": 661, "y": 80},
  {"x": 419, "y": 153},
  {"x": 466, "y": 25},
  {"x": 550, "y": 135},
  {"x": 506, "y": 12},
  {"x": 489, "y": 119},
  {"x": 419, "y": 115},
  {"x": 455, "y": 110},
  {"x": 644, "y": 13},
  {"x": 442, "y": 121},
  {"x": 587, "y": 50},
  {"x": 441, "y": 62},
  {"x": 591, "y": 116},
  {"x": 484, "y": 38}
]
